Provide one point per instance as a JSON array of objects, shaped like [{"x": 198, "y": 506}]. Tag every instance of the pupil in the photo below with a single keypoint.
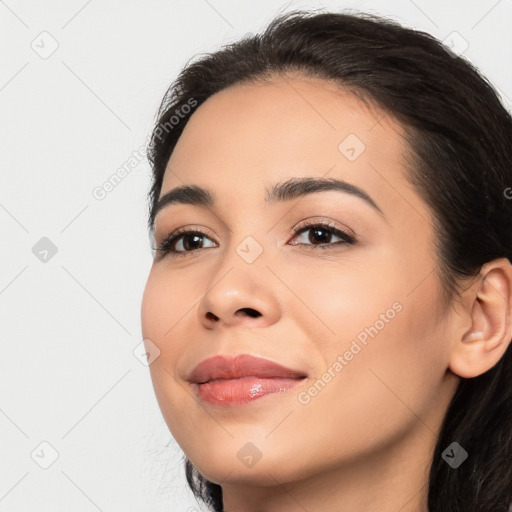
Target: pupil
[
  {"x": 196, "y": 245},
  {"x": 320, "y": 238}
]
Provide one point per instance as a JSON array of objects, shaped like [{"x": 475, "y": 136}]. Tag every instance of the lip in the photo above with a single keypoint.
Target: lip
[{"x": 241, "y": 379}]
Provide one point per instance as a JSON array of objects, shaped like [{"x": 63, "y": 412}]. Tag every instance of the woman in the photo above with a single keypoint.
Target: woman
[{"x": 330, "y": 298}]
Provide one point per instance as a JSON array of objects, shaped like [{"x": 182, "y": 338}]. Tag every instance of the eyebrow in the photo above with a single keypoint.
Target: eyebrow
[{"x": 285, "y": 191}]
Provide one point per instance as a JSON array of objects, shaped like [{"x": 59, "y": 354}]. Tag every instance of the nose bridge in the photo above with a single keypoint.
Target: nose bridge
[
  {"x": 248, "y": 241},
  {"x": 242, "y": 266}
]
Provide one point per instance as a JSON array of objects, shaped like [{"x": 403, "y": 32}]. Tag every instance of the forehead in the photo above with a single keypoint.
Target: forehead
[{"x": 246, "y": 137}]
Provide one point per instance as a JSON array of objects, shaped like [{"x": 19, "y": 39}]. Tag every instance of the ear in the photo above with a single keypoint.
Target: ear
[{"x": 488, "y": 310}]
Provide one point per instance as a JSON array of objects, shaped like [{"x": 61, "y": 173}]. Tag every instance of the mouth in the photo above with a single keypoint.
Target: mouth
[{"x": 242, "y": 379}]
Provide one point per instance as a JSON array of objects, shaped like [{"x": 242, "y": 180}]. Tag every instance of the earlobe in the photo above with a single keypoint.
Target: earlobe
[{"x": 481, "y": 346}]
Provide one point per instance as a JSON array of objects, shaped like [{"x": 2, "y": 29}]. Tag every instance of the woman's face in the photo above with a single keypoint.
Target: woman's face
[{"x": 358, "y": 316}]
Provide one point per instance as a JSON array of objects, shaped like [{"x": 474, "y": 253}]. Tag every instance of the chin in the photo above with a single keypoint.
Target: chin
[
  {"x": 241, "y": 464},
  {"x": 260, "y": 475}
]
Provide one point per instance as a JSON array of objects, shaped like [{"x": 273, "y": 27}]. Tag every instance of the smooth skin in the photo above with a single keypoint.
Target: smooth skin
[{"x": 364, "y": 442}]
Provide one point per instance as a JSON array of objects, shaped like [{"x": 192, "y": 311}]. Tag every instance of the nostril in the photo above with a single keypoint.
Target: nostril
[
  {"x": 250, "y": 312},
  {"x": 211, "y": 316}
]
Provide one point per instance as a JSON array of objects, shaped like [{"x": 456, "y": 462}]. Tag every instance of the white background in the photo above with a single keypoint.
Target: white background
[{"x": 69, "y": 325}]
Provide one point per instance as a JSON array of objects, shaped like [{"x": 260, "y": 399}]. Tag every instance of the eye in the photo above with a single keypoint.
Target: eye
[
  {"x": 322, "y": 232},
  {"x": 181, "y": 242}
]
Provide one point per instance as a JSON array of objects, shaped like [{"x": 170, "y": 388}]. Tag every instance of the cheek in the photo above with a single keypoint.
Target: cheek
[
  {"x": 341, "y": 301},
  {"x": 389, "y": 339},
  {"x": 165, "y": 308},
  {"x": 165, "y": 301}
]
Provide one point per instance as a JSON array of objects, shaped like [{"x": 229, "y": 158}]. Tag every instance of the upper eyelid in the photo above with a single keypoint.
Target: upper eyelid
[
  {"x": 311, "y": 220},
  {"x": 301, "y": 225},
  {"x": 329, "y": 223}
]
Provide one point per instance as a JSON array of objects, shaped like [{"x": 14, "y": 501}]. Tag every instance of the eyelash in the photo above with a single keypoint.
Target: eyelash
[{"x": 166, "y": 247}]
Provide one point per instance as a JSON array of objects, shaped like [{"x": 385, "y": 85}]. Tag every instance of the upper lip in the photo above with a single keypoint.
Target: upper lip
[{"x": 243, "y": 365}]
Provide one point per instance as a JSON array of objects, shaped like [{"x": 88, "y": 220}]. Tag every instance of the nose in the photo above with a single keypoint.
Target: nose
[{"x": 240, "y": 293}]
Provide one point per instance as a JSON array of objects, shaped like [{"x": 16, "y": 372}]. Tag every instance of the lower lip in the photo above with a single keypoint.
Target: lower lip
[{"x": 234, "y": 392}]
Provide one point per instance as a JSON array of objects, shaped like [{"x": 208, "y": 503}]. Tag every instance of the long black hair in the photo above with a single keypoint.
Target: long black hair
[{"x": 459, "y": 137}]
